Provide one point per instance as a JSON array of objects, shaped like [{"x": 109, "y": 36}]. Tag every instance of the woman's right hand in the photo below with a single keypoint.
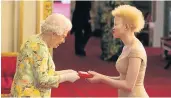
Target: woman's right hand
[
  {"x": 64, "y": 71},
  {"x": 97, "y": 77},
  {"x": 70, "y": 77}
]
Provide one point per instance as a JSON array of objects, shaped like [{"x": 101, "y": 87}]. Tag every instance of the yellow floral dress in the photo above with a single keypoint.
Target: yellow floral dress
[{"x": 35, "y": 71}]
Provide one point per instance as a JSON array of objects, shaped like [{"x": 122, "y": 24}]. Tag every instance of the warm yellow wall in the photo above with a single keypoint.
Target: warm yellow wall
[
  {"x": 29, "y": 17},
  {"x": 16, "y": 25},
  {"x": 40, "y": 18},
  {"x": 7, "y": 11},
  {"x": 20, "y": 20}
]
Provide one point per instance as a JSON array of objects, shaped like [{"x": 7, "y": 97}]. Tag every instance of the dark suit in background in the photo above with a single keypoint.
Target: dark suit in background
[{"x": 81, "y": 26}]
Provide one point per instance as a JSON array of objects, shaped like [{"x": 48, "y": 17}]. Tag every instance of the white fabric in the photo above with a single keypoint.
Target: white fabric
[
  {"x": 71, "y": 77},
  {"x": 65, "y": 71}
]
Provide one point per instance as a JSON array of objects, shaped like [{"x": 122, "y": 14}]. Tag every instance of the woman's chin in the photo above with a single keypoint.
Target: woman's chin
[
  {"x": 115, "y": 36},
  {"x": 56, "y": 46}
]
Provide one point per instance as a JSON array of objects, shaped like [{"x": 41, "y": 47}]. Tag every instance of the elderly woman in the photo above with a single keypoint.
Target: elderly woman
[
  {"x": 35, "y": 72},
  {"x": 132, "y": 63}
]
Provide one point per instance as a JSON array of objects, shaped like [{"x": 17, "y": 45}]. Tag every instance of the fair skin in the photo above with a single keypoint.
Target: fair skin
[
  {"x": 53, "y": 40},
  {"x": 122, "y": 32}
]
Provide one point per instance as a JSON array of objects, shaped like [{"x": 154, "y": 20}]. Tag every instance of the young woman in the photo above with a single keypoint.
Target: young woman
[{"x": 132, "y": 62}]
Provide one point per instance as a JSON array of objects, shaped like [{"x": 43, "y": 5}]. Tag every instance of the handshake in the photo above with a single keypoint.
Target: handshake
[{"x": 72, "y": 76}]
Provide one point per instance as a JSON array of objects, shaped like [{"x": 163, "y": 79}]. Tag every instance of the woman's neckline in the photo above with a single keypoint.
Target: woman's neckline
[{"x": 40, "y": 38}]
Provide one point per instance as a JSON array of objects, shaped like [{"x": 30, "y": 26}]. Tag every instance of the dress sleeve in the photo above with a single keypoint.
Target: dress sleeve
[
  {"x": 138, "y": 54},
  {"x": 40, "y": 55}
]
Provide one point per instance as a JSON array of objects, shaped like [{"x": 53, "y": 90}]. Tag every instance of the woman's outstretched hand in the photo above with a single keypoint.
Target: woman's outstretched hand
[
  {"x": 68, "y": 75},
  {"x": 97, "y": 77},
  {"x": 65, "y": 71}
]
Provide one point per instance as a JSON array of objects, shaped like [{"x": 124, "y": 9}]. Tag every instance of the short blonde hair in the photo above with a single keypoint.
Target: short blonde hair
[
  {"x": 131, "y": 15},
  {"x": 57, "y": 23}
]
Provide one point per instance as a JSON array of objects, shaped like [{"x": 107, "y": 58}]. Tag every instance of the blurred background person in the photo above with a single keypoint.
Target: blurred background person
[{"x": 81, "y": 26}]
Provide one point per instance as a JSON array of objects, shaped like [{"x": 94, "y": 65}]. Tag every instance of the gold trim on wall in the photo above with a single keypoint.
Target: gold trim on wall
[
  {"x": 47, "y": 8},
  {"x": 38, "y": 17},
  {"x": 9, "y": 54},
  {"x": 21, "y": 16}
]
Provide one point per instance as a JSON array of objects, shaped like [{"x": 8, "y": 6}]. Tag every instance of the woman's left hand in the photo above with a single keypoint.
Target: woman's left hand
[
  {"x": 64, "y": 71},
  {"x": 97, "y": 77}
]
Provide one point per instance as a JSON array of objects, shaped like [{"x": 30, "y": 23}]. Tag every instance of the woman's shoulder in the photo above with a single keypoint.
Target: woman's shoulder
[
  {"x": 34, "y": 41},
  {"x": 138, "y": 51},
  {"x": 34, "y": 38},
  {"x": 138, "y": 48}
]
